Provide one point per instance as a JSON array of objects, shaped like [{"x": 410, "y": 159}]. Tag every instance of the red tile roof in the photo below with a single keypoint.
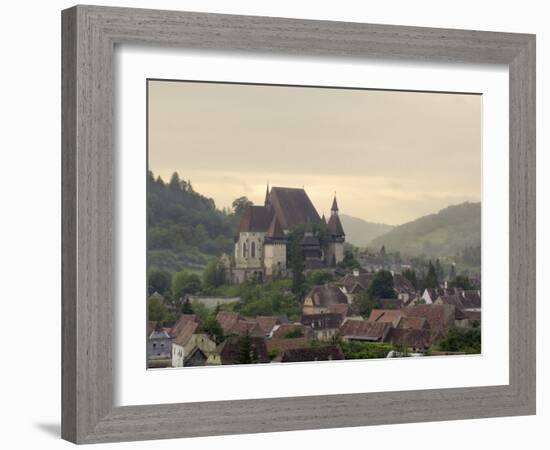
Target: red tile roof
[
  {"x": 293, "y": 207},
  {"x": 365, "y": 330},
  {"x": 266, "y": 323},
  {"x": 181, "y": 322},
  {"x": 386, "y": 315},
  {"x": 228, "y": 320},
  {"x": 286, "y": 344}
]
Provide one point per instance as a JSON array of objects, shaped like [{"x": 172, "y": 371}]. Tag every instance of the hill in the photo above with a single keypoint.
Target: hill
[
  {"x": 185, "y": 230},
  {"x": 452, "y": 231},
  {"x": 359, "y": 232}
]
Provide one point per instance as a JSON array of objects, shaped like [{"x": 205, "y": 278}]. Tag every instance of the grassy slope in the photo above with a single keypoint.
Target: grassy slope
[{"x": 437, "y": 235}]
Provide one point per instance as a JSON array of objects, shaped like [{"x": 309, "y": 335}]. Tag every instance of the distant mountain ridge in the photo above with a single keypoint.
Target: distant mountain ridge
[
  {"x": 445, "y": 233},
  {"x": 359, "y": 232}
]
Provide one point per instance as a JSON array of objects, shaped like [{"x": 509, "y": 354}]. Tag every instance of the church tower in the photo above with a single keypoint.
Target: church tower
[{"x": 335, "y": 249}]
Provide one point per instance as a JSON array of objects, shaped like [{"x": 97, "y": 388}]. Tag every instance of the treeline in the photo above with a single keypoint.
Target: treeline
[{"x": 184, "y": 227}]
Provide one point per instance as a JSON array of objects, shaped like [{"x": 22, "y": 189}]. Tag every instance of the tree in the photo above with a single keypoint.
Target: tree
[
  {"x": 410, "y": 275},
  {"x": 175, "y": 182},
  {"x": 439, "y": 270},
  {"x": 381, "y": 285},
  {"x": 363, "y": 304},
  {"x": 349, "y": 261},
  {"x": 158, "y": 281},
  {"x": 297, "y": 263},
  {"x": 247, "y": 352},
  {"x": 320, "y": 277},
  {"x": 214, "y": 274},
  {"x": 212, "y": 327},
  {"x": 430, "y": 280},
  {"x": 461, "y": 281},
  {"x": 383, "y": 251},
  {"x": 186, "y": 308},
  {"x": 156, "y": 309},
  {"x": 452, "y": 272},
  {"x": 466, "y": 340},
  {"x": 296, "y": 333},
  {"x": 240, "y": 205},
  {"x": 184, "y": 283}
]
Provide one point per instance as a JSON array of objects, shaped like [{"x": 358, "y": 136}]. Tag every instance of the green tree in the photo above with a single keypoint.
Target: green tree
[
  {"x": 247, "y": 352},
  {"x": 381, "y": 285},
  {"x": 212, "y": 327},
  {"x": 349, "y": 261},
  {"x": 383, "y": 251},
  {"x": 363, "y": 304},
  {"x": 175, "y": 182},
  {"x": 184, "y": 283},
  {"x": 430, "y": 280},
  {"x": 365, "y": 350},
  {"x": 186, "y": 308},
  {"x": 214, "y": 274},
  {"x": 410, "y": 275},
  {"x": 156, "y": 309},
  {"x": 296, "y": 333},
  {"x": 240, "y": 205},
  {"x": 158, "y": 281},
  {"x": 439, "y": 270},
  {"x": 320, "y": 277},
  {"x": 461, "y": 281},
  {"x": 466, "y": 340},
  {"x": 297, "y": 263},
  {"x": 452, "y": 272}
]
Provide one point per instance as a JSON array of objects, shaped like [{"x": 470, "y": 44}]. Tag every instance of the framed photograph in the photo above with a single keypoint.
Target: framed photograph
[{"x": 256, "y": 207}]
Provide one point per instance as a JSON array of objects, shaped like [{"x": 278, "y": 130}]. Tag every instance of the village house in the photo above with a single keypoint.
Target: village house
[
  {"x": 276, "y": 347},
  {"x": 416, "y": 340},
  {"x": 159, "y": 346},
  {"x": 185, "y": 343},
  {"x": 261, "y": 243},
  {"x": 323, "y": 326},
  {"x": 322, "y": 298},
  {"x": 365, "y": 331},
  {"x": 392, "y": 316},
  {"x": 230, "y": 352},
  {"x": 287, "y": 330},
  {"x": 267, "y": 324},
  {"x": 440, "y": 318},
  {"x": 358, "y": 282}
]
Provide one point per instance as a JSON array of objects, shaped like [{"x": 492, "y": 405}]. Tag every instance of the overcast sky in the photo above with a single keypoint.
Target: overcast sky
[{"x": 391, "y": 157}]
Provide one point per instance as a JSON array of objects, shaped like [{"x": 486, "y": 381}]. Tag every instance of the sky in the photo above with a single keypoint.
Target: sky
[{"x": 390, "y": 156}]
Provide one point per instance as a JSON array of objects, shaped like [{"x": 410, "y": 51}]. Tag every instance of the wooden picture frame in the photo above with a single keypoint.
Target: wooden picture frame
[{"x": 90, "y": 34}]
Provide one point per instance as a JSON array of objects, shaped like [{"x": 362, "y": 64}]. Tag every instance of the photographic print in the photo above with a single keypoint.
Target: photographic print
[{"x": 291, "y": 224}]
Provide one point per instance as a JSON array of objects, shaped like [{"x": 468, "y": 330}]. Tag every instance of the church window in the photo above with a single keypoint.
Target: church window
[
  {"x": 244, "y": 250},
  {"x": 253, "y": 250}
]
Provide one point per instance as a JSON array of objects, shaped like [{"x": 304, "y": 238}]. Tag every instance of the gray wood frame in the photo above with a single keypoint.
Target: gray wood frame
[{"x": 89, "y": 36}]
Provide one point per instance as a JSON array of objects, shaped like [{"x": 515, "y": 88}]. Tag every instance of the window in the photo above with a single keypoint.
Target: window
[
  {"x": 253, "y": 250},
  {"x": 244, "y": 250}
]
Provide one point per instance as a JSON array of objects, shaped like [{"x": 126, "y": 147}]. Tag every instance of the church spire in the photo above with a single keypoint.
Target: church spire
[
  {"x": 267, "y": 201},
  {"x": 334, "y": 207}
]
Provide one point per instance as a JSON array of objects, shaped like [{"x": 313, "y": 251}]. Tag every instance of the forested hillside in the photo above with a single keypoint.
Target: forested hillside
[
  {"x": 455, "y": 230},
  {"x": 185, "y": 229}
]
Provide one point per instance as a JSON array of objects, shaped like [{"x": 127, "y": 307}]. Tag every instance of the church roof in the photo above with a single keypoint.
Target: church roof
[
  {"x": 334, "y": 206},
  {"x": 293, "y": 207},
  {"x": 275, "y": 231},
  {"x": 335, "y": 226},
  {"x": 255, "y": 218}
]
